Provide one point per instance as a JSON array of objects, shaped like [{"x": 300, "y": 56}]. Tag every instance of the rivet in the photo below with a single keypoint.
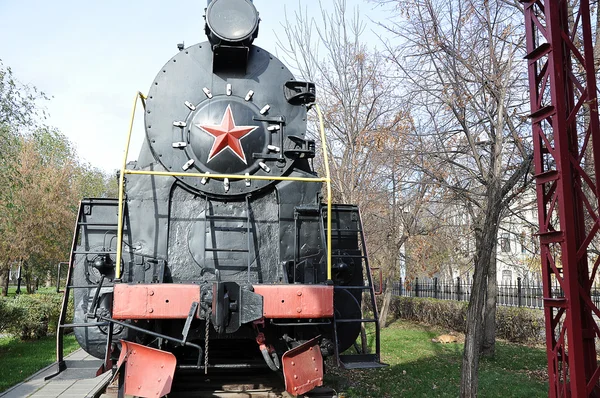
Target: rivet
[
  {"x": 311, "y": 348},
  {"x": 151, "y": 310},
  {"x": 298, "y": 310},
  {"x": 162, "y": 366},
  {"x": 265, "y": 109},
  {"x": 151, "y": 292},
  {"x": 188, "y": 164},
  {"x": 139, "y": 387},
  {"x": 316, "y": 369},
  {"x": 295, "y": 388},
  {"x": 159, "y": 379},
  {"x": 295, "y": 376},
  {"x": 263, "y": 166},
  {"x": 190, "y": 106},
  {"x": 313, "y": 358},
  {"x": 293, "y": 363}
]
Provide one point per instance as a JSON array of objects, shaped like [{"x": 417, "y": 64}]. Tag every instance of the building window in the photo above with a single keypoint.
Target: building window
[
  {"x": 523, "y": 239},
  {"x": 505, "y": 242},
  {"x": 506, "y": 277}
]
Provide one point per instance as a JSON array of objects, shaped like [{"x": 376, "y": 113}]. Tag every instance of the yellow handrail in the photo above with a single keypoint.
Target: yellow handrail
[
  {"x": 122, "y": 183},
  {"x": 124, "y": 171},
  {"x": 328, "y": 182}
]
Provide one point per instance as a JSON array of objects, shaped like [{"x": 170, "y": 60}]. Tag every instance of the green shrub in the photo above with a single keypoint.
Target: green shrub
[
  {"x": 30, "y": 316},
  {"x": 520, "y": 325},
  {"x": 5, "y": 314},
  {"x": 517, "y": 325},
  {"x": 445, "y": 313}
]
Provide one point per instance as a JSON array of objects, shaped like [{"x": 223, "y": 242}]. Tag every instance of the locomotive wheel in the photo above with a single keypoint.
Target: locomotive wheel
[{"x": 347, "y": 306}]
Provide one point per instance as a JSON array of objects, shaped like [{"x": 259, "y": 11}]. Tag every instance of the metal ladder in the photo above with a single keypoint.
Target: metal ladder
[
  {"x": 210, "y": 219},
  {"x": 362, "y": 359},
  {"x": 85, "y": 208}
]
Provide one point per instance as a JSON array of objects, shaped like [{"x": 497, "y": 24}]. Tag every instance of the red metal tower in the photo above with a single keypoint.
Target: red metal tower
[{"x": 566, "y": 136}]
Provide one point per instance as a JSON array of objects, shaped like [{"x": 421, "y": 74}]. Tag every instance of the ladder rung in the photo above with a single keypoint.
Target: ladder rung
[
  {"x": 98, "y": 224},
  {"x": 353, "y": 287},
  {"x": 95, "y": 252},
  {"x": 555, "y": 302},
  {"x": 224, "y": 217},
  {"x": 86, "y": 286},
  {"x": 344, "y": 230},
  {"x": 100, "y": 202},
  {"x": 542, "y": 113},
  {"x": 539, "y": 52},
  {"x": 347, "y": 256},
  {"x": 227, "y": 250},
  {"x": 551, "y": 237}
]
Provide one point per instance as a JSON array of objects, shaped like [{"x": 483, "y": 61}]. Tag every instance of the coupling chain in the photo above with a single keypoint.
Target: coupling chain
[{"x": 207, "y": 319}]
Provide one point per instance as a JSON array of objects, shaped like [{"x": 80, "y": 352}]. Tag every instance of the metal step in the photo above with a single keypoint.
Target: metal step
[
  {"x": 355, "y": 320},
  {"x": 361, "y": 361}
]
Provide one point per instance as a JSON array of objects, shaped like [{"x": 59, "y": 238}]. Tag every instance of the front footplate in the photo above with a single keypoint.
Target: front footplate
[{"x": 303, "y": 367}]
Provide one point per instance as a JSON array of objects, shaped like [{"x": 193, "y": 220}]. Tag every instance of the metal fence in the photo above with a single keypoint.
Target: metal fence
[{"x": 520, "y": 294}]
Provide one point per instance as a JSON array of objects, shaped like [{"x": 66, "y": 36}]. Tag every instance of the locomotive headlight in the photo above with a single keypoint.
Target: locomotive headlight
[{"x": 232, "y": 21}]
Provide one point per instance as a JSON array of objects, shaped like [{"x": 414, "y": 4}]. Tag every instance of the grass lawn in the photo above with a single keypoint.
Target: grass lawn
[
  {"x": 421, "y": 368},
  {"x": 20, "y": 359},
  {"x": 418, "y": 367}
]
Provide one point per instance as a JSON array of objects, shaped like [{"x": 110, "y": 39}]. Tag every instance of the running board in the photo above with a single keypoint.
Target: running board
[{"x": 361, "y": 361}]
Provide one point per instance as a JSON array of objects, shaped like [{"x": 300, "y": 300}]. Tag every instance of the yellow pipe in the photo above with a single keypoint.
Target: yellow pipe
[
  {"x": 328, "y": 182},
  {"x": 122, "y": 183},
  {"x": 230, "y": 176}
]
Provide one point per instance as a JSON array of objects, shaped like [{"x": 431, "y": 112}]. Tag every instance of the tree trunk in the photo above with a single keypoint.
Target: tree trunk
[
  {"x": 485, "y": 240},
  {"x": 28, "y": 278},
  {"x": 364, "y": 342},
  {"x": 4, "y": 281},
  {"x": 488, "y": 347},
  {"x": 385, "y": 306},
  {"x": 48, "y": 281}
]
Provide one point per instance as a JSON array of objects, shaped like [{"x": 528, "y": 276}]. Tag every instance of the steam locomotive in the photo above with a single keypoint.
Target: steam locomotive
[{"x": 216, "y": 254}]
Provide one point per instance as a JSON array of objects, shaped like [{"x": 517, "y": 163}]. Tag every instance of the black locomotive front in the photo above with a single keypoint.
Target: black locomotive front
[{"x": 216, "y": 255}]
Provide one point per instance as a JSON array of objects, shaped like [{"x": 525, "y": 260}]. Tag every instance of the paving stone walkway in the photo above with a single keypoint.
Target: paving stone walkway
[{"x": 78, "y": 381}]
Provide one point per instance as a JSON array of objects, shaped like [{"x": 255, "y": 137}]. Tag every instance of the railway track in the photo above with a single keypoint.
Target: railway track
[{"x": 238, "y": 385}]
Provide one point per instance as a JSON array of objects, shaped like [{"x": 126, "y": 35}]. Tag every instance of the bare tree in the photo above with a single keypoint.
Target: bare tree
[
  {"x": 368, "y": 129},
  {"x": 458, "y": 61}
]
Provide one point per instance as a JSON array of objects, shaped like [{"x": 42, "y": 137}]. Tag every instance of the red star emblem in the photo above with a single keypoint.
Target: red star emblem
[{"x": 227, "y": 135}]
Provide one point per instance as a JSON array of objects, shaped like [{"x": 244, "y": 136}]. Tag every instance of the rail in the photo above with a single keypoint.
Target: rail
[{"x": 124, "y": 171}]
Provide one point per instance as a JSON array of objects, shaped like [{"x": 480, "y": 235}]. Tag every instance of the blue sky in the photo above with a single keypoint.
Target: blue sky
[{"x": 93, "y": 56}]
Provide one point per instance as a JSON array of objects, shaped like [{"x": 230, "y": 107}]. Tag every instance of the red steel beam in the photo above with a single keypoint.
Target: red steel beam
[{"x": 565, "y": 126}]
